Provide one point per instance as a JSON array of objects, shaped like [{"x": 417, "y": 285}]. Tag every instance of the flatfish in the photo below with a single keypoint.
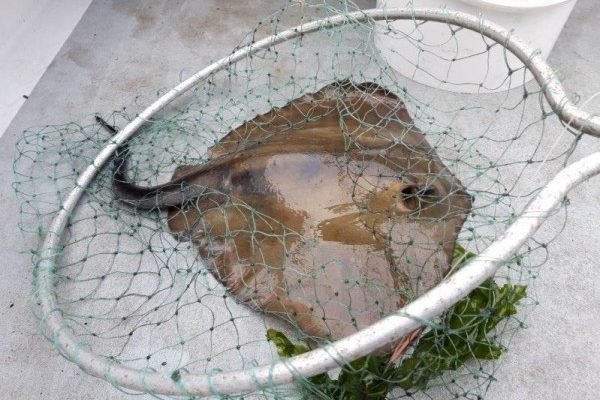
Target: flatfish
[{"x": 331, "y": 211}]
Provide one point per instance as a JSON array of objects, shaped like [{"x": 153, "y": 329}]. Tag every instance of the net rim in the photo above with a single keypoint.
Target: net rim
[{"x": 389, "y": 329}]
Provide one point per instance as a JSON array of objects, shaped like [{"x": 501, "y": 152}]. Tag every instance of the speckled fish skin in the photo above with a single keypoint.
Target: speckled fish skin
[{"x": 331, "y": 212}]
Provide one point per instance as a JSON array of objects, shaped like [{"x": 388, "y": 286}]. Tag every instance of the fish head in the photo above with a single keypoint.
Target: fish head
[{"x": 417, "y": 208}]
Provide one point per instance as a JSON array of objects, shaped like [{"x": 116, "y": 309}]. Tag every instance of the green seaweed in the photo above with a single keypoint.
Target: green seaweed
[{"x": 463, "y": 334}]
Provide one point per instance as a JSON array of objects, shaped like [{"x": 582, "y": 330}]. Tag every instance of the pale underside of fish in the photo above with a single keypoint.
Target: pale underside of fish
[{"x": 331, "y": 212}]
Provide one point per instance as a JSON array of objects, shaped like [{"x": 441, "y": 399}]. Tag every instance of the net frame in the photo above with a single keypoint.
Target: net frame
[{"x": 387, "y": 330}]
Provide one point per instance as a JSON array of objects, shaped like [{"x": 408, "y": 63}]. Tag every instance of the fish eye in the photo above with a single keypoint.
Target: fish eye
[
  {"x": 413, "y": 196},
  {"x": 410, "y": 197}
]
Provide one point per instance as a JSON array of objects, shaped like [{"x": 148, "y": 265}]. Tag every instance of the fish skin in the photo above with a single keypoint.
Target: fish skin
[{"x": 330, "y": 212}]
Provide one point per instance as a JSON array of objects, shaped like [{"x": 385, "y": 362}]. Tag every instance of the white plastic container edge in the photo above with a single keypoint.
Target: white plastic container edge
[
  {"x": 514, "y": 5},
  {"x": 460, "y": 62}
]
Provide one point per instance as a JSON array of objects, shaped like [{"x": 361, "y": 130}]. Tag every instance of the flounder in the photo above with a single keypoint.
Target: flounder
[{"x": 331, "y": 212}]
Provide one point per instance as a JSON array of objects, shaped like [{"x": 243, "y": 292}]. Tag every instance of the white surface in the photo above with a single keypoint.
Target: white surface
[
  {"x": 31, "y": 33},
  {"x": 515, "y": 5},
  {"x": 474, "y": 63},
  {"x": 14, "y": 13}
]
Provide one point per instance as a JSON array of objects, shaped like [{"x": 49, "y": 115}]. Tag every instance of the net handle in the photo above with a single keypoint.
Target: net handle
[{"x": 389, "y": 329}]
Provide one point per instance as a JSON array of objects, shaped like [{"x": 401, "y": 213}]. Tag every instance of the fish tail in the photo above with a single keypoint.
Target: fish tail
[
  {"x": 121, "y": 160},
  {"x": 125, "y": 190},
  {"x": 171, "y": 194}
]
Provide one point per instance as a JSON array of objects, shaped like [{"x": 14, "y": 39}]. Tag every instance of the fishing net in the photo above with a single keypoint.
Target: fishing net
[{"x": 235, "y": 277}]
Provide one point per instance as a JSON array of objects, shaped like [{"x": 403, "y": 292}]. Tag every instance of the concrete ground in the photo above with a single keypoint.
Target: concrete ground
[
  {"x": 31, "y": 33},
  {"x": 121, "y": 50}
]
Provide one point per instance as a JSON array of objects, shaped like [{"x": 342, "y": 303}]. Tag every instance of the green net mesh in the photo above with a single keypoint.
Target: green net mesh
[{"x": 330, "y": 191}]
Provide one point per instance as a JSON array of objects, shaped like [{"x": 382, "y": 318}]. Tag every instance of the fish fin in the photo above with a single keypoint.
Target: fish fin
[
  {"x": 299, "y": 311},
  {"x": 189, "y": 221},
  {"x": 403, "y": 345},
  {"x": 376, "y": 118},
  {"x": 183, "y": 170},
  {"x": 373, "y": 102},
  {"x": 182, "y": 221},
  {"x": 281, "y": 119}
]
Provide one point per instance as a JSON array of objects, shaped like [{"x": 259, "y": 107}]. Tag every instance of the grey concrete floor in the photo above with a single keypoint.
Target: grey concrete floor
[{"x": 121, "y": 50}]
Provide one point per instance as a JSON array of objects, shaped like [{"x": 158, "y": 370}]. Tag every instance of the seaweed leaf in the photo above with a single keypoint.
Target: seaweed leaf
[{"x": 285, "y": 347}]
